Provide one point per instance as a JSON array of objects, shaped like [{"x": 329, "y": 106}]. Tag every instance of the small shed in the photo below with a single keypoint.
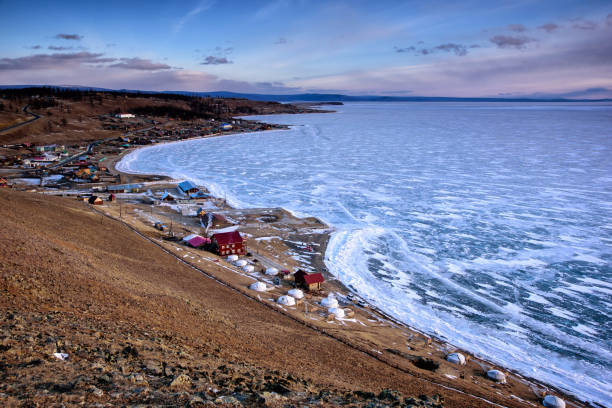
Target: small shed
[
  {"x": 95, "y": 200},
  {"x": 167, "y": 196},
  {"x": 187, "y": 187},
  {"x": 227, "y": 243},
  {"x": 310, "y": 281}
]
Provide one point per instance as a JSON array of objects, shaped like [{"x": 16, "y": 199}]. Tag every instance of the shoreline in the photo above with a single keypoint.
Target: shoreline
[{"x": 319, "y": 262}]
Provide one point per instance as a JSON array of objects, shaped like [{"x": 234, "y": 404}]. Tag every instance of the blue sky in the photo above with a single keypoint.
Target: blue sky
[{"x": 431, "y": 48}]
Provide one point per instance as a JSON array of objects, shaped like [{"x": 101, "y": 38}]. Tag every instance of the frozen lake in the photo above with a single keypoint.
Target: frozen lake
[{"x": 488, "y": 225}]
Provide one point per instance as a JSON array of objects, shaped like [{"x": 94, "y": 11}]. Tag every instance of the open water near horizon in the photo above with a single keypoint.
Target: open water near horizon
[{"x": 488, "y": 225}]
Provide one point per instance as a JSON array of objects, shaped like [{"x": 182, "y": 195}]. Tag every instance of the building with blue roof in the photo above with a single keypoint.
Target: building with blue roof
[{"x": 187, "y": 187}]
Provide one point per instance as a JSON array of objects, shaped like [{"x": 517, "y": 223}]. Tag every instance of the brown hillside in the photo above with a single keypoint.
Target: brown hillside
[
  {"x": 132, "y": 318},
  {"x": 73, "y": 117}
]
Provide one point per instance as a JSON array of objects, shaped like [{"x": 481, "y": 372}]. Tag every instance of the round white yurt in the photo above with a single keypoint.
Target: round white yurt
[
  {"x": 272, "y": 271},
  {"x": 248, "y": 268},
  {"x": 497, "y": 375},
  {"x": 329, "y": 301},
  {"x": 551, "y": 401},
  {"x": 336, "y": 311},
  {"x": 296, "y": 293},
  {"x": 258, "y": 286},
  {"x": 456, "y": 358},
  {"x": 240, "y": 263},
  {"x": 232, "y": 258},
  {"x": 286, "y": 300}
]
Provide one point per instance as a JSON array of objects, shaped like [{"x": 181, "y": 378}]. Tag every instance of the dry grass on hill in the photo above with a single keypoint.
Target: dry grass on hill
[{"x": 132, "y": 318}]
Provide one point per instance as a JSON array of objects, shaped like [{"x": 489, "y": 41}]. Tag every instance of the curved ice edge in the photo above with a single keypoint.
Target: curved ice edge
[
  {"x": 591, "y": 388},
  {"x": 341, "y": 259}
]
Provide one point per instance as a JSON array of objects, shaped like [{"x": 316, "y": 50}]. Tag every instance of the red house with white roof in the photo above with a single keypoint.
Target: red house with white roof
[{"x": 229, "y": 243}]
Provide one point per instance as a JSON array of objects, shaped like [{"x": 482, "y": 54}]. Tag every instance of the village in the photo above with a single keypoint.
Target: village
[{"x": 179, "y": 211}]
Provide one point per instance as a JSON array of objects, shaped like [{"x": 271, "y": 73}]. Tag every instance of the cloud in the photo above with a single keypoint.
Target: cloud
[
  {"x": 75, "y": 37},
  {"x": 34, "y": 47},
  {"x": 140, "y": 64},
  {"x": 58, "y": 48},
  {"x": 281, "y": 40},
  {"x": 609, "y": 20},
  {"x": 580, "y": 62},
  {"x": 458, "y": 49},
  {"x": 507, "y": 41},
  {"x": 52, "y": 61},
  {"x": 203, "y": 5},
  {"x": 519, "y": 28},
  {"x": 581, "y": 24},
  {"x": 406, "y": 49},
  {"x": 548, "y": 27},
  {"x": 212, "y": 60},
  {"x": 111, "y": 45}
]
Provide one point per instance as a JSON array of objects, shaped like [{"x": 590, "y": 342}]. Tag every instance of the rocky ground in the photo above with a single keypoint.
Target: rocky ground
[{"x": 115, "y": 363}]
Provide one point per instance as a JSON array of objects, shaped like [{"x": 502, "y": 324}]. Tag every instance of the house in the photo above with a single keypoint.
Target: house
[
  {"x": 159, "y": 226},
  {"x": 167, "y": 196},
  {"x": 125, "y": 115},
  {"x": 3, "y": 183},
  {"x": 82, "y": 173},
  {"x": 228, "y": 243},
  {"x": 95, "y": 200},
  {"x": 310, "y": 281},
  {"x": 125, "y": 188},
  {"x": 111, "y": 197},
  {"x": 187, "y": 187},
  {"x": 198, "y": 241},
  {"x": 48, "y": 148}
]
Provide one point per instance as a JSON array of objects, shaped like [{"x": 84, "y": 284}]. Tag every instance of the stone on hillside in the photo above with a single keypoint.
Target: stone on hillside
[
  {"x": 154, "y": 367},
  {"x": 136, "y": 378},
  {"x": 181, "y": 381},
  {"x": 226, "y": 399},
  {"x": 196, "y": 401},
  {"x": 270, "y": 398}
]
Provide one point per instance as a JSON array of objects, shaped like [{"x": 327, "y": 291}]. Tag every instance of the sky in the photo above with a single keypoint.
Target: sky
[{"x": 471, "y": 48}]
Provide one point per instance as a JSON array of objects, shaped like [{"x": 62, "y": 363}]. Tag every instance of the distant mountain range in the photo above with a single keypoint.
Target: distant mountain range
[{"x": 316, "y": 97}]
